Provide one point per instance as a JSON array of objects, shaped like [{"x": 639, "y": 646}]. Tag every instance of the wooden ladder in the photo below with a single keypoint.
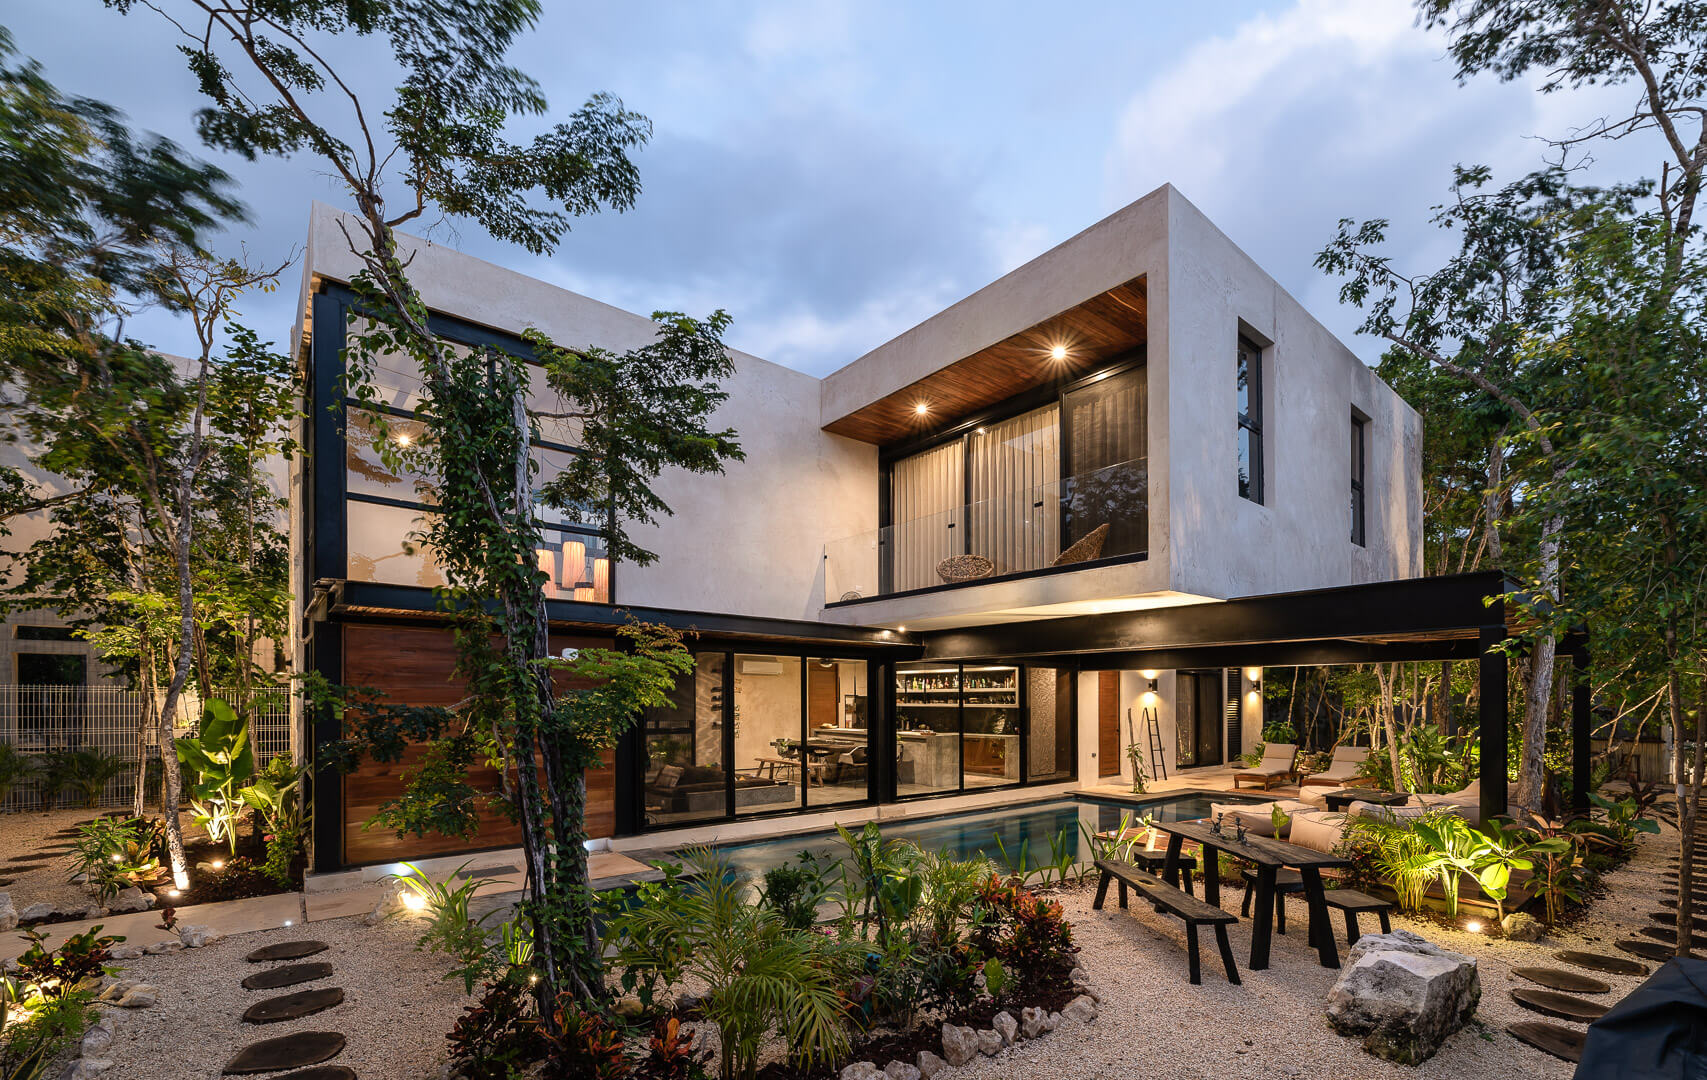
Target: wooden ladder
[{"x": 1158, "y": 758}]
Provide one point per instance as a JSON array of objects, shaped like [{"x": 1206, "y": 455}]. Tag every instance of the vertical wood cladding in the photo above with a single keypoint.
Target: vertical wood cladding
[{"x": 413, "y": 665}]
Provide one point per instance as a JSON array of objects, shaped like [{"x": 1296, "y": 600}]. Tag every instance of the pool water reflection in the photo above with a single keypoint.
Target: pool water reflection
[{"x": 966, "y": 835}]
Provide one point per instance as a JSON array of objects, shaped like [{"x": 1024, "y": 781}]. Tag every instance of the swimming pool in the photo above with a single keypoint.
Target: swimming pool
[{"x": 966, "y": 835}]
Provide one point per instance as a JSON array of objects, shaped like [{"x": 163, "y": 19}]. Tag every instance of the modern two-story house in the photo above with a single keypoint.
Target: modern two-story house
[{"x": 1052, "y": 520}]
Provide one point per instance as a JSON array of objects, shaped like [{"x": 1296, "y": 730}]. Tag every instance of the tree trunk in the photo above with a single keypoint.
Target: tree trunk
[
  {"x": 180, "y": 676},
  {"x": 1384, "y": 678},
  {"x": 1531, "y": 771}
]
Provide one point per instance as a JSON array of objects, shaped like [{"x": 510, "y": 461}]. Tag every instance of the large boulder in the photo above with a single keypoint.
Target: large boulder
[
  {"x": 1404, "y": 995},
  {"x": 37, "y": 912},
  {"x": 959, "y": 1044}
]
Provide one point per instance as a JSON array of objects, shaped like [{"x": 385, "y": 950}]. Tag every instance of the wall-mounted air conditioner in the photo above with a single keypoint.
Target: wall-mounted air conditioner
[{"x": 760, "y": 665}]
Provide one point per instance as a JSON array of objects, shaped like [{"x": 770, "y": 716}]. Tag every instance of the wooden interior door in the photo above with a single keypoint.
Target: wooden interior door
[
  {"x": 1108, "y": 723},
  {"x": 823, "y": 695}
]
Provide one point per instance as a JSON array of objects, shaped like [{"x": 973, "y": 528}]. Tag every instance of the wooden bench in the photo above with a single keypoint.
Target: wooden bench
[
  {"x": 1351, "y": 902},
  {"x": 1164, "y": 897}
]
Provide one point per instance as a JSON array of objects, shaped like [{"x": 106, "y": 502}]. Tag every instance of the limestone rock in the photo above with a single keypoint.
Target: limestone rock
[
  {"x": 118, "y": 988},
  {"x": 629, "y": 1007},
  {"x": 83, "y": 1068},
  {"x": 139, "y": 997},
  {"x": 8, "y": 912},
  {"x": 1080, "y": 976},
  {"x": 389, "y": 903},
  {"x": 1081, "y": 1008},
  {"x": 930, "y": 1064},
  {"x": 1005, "y": 1026},
  {"x": 1053, "y": 1022},
  {"x": 125, "y": 952},
  {"x": 37, "y": 912},
  {"x": 1404, "y": 995},
  {"x": 129, "y": 900},
  {"x": 1521, "y": 926},
  {"x": 862, "y": 1070},
  {"x": 198, "y": 936},
  {"x": 1033, "y": 1021},
  {"x": 97, "y": 1038},
  {"x": 989, "y": 1043},
  {"x": 169, "y": 945},
  {"x": 959, "y": 1044},
  {"x": 900, "y": 1070}
]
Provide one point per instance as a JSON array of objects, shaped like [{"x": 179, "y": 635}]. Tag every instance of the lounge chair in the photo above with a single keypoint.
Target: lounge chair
[
  {"x": 1276, "y": 763},
  {"x": 1467, "y": 801},
  {"x": 1341, "y": 771}
]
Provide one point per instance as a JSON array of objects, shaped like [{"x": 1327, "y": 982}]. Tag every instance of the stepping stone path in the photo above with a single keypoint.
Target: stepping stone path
[
  {"x": 285, "y": 950},
  {"x": 286, "y": 1052},
  {"x": 303, "y": 1048},
  {"x": 1612, "y": 965},
  {"x": 293, "y": 1006},
  {"x": 1564, "y": 1006},
  {"x": 1559, "y": 1041},
  {"x": 1651, "y": 950},
  {"x": 1560, "y": 979},
  {"x": 1669, "y": 933},
  {"x": 290, "y": 975}
]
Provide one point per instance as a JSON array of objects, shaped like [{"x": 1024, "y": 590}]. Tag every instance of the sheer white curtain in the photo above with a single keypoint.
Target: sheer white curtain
[
  {"x": 1016, "y": 512},
  {"x": 926, "y": 497}
]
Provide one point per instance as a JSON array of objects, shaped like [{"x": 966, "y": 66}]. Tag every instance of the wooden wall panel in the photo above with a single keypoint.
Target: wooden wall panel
[{"x": 413, "y": 665}]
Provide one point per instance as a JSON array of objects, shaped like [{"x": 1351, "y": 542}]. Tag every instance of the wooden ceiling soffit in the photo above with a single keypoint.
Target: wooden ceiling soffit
[{"x": 1093, "y": 333}]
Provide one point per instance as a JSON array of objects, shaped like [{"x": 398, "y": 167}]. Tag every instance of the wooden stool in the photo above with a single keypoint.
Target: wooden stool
[
  {"x": 1285, "y": 881},
  {"x": 1153, "y": 861},
  {"x": 1351, "y": 902}
]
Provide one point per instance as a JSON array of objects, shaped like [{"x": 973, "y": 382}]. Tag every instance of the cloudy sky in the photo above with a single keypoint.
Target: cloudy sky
[{"x": 831, "y": 173}]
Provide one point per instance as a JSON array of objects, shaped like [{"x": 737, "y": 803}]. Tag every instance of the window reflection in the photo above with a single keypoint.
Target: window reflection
[
  {"x": 577, "y": 565},
  {"x": 366, "y": 474},
  {"x": 378, "y": 547},
  {"x": 685, "y": 780}
]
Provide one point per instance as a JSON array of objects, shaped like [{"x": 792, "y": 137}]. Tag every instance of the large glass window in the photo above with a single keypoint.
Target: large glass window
[
  {"x": 685, "y": 780},
  {"x": 1064, "y": 483},
  {"x": 1107, "y": 485},
  {"x": 791, "y": 734},
  {"x": 1250, "y": 421},
  {"x": 770, "y": 763},
  {"x": 384, "y": 505},
  {"x": 837, "y": 734},
  {"x": 927, "y": 723},
  {"x": 990, "y": 754}
]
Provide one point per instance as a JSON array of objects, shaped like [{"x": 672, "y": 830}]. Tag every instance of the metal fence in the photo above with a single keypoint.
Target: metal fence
[{"x": 39, "y": 721}]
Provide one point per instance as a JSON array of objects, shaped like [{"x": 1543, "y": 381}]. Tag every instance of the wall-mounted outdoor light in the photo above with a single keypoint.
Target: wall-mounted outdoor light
[{"x": 1150, "y": 681}]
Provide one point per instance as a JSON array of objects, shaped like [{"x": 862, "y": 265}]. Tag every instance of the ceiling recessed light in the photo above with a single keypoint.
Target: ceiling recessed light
[
  {"x": 922, "y": 408},
  {"x": 1059, "y": 352}
]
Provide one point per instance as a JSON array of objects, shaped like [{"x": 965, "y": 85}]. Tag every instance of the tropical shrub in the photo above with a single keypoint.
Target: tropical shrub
[
  {"x": 276, "y": 796},
  {"x": 85, "y": 770},
  {"x": 113, "y": 854},
  {"x": 35, "y": 1030},
  {"x": 1028, "y": 936},
  {"x": 584, "y": 1044},
  {"x": 449, "y": 929},
  {"x": 221, "y": 761},
  {"x": 1624, "y": 819},
  {"x": 498, "y": 1037},
  {"x": 759, "y": 973},
  {"x": 15, "y": 768},
  {"x": 77, "y": 965},
  {"x": 794, "y": 891}
]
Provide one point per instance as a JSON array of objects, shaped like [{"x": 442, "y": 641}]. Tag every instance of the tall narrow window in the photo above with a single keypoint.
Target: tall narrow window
[
  {"x": 1358, "y": 454},
  {"x": 1250, "y": 420}
]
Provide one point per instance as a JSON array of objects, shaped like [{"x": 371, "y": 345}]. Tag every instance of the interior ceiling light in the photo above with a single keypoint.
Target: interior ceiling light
[
  {"x": 922, "y": 408},
  {"x": 1058, "y": 352}
]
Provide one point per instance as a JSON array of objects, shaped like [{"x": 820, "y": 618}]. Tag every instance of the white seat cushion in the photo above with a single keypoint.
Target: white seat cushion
[
  {"x": 1258, "y": 817},
  {"x": 1317, "y": 830}
]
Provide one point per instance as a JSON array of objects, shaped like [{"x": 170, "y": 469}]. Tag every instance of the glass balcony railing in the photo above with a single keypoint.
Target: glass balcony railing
[{"x": 1093, "y": 515}]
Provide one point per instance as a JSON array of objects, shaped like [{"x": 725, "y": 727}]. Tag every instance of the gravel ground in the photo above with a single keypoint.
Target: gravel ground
[
  {"x": 1152, "y": 1020},
  {"x": 396, "y": 1009},
  {"x": 26, "y": 834}
]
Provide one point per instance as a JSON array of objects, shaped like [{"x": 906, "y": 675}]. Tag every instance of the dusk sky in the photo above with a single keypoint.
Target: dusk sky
[{"x": 832, "y": 173}]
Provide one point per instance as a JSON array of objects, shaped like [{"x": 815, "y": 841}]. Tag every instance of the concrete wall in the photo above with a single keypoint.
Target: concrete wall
[
  {"x": 749, "y": 541},
  {"x": 1299, "y": 537}
]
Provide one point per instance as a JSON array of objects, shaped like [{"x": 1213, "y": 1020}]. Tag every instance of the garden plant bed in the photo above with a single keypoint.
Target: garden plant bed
[{"x": 881, "y": 1047}]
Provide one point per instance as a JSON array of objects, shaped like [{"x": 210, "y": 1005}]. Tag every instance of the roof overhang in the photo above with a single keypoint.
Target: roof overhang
[{"x": 1090, "y": 334}]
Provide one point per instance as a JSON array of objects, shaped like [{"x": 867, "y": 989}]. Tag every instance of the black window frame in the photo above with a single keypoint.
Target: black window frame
[
  {"x": 962, "y": 430},
  {"x": 1359, "y": 479},
  {"x": 1253, "y": 486}
]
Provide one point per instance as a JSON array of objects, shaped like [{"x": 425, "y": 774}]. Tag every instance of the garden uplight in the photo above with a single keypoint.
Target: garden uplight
[
  {"x": 1474, "y": 926},
  {"x": 414, "y": 901}
]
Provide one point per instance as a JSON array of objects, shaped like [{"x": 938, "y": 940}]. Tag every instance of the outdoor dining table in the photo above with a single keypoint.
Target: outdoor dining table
[{"x": 1269, "y": 855}]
